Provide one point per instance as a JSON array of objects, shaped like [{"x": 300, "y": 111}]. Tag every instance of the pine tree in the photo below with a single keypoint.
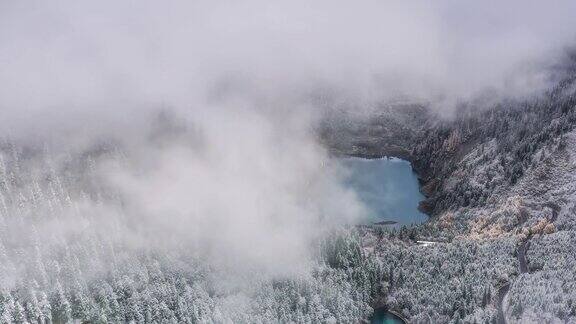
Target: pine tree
[
  {"x": 61, "y": 309},
  {"x": 45, "y": 308},
  {"x": 19, "y": 313}
]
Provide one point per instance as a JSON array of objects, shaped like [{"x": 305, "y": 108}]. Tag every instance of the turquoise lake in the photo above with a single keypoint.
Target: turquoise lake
[
  {"x": 389, "y": 189},
  {"x": 381, "y": 316}
]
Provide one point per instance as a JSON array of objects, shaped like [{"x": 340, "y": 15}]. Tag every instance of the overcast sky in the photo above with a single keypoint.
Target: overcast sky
[{"x": 112, "y": 56}]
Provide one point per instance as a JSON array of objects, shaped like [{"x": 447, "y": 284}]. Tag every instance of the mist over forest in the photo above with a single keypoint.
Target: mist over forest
[{"x": 180, "y": 161}]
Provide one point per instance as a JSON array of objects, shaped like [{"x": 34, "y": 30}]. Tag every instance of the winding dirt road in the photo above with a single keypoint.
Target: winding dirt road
[
  {"x": 502, "y": 300},
  {"x": 523, "y": 267}
]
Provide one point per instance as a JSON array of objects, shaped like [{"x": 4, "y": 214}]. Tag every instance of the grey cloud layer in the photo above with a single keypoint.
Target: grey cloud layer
[
  {"x": 114, "y": 55},
  {"x": 255, "y": 181}
]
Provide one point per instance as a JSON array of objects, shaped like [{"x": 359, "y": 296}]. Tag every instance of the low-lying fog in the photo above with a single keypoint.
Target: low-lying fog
[{"x": 190, "y": 125}]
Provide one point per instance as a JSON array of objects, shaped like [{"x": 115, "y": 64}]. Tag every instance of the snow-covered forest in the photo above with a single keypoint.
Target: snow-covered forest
[
  {"x": 179, "y": 161},
  {"x": 499, "y": 179},
  {"x": 65, "y": 253},
  {"x": 70, "y": 251}
]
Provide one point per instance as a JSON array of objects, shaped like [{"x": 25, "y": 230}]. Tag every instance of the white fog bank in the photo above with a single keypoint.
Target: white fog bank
[{"x": 237, "y": 176}]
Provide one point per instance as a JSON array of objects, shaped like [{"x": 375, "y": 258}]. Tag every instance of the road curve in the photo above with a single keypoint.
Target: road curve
[
  {"x": 522, "y": 266},
  {"x": 503, "y": 290},
  {"x": 502, "y": 294}
]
